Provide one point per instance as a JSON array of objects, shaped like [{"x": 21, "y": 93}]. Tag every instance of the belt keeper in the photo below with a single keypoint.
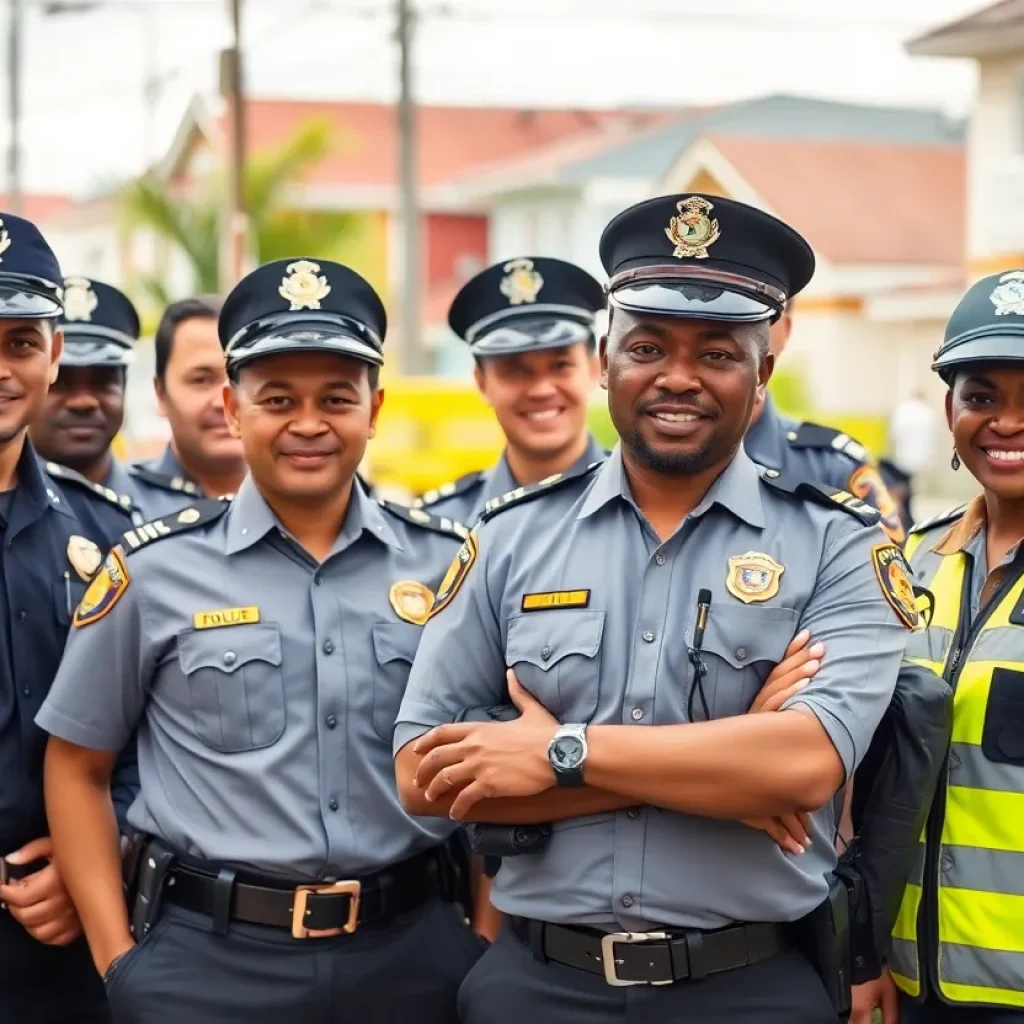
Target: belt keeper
[
  {"x": 222, "y": 889},
  {"x": 695, "y": 956},
  {"x": 536, "y": 939}
]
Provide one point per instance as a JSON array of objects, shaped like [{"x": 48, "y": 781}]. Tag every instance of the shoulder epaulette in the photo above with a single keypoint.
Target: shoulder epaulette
[
  {"x": 822, "y": 494},
  {"x": 202, "y": 512},
  {"x": 168, "y": 483},
  {"x": 450, "y": 489},
  {"x": 942, "y": 519},
  {"x": 530, "y": 491},
  {"x": 70, "y": 476},
  {"x": 814, "y": 435},
  {"x": 416, "y": 516}
]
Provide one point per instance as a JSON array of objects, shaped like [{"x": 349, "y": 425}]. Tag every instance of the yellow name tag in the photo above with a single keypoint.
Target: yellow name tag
[
  {"x": 226, "y": 617},
  {"x": 556, "y": 599}
]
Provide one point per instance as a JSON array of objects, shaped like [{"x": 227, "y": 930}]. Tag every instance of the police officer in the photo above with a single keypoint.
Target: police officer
[
  {"x": 85, "y": 406},
  {"x": 529, "y": 323},
  {"x": 640, "y": 607},
  {"x": 265, "y": 645},
  {"x": 54, "y": 534},
  {"x": 201, "y": 459},
  {"x": 811, "y": 451}
]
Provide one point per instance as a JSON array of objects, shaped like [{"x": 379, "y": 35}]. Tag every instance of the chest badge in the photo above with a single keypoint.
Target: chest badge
[
  {"x": 84, "y": 556},
  {"x": 411, "y": 601},
  {"x": 753, "y": 577}
]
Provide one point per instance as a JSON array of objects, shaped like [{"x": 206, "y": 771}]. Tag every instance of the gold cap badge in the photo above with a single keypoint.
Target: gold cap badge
[
  {"x": 304, "y": 286},
  {"x": 522, "y": 283},
  {"x": 693, "y": 231},
  {"x": 84, "y": 556},
  {"x": 1008, "y": 295},
  {"x": 753, "y": 577},
  {"x": 79, "y": 299},
  {"x": 5, "y": 241},
  {"x": 412, "y": 601}
]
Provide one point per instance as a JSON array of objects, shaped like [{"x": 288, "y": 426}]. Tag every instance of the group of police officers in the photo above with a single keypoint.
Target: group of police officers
[{"x": 645, "y": 677}]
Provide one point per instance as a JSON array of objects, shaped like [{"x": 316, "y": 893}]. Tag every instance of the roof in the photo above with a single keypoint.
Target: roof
[
  {"x": 37, "y": 206},
  {"x": 993, "y": 29},
  {"x": 859, "y": 201}
]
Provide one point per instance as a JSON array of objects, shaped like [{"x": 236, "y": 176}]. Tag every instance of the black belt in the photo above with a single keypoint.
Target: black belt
[
  {"x": 334, "y": 907},
  {"x": 650, "y": 958}
]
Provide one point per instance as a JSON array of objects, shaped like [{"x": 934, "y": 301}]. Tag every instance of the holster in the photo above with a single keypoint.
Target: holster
[
  {"x": 824, "y": 938},
  {"x": 457, "y": 874},
  {"x": 151, "y": 862}
]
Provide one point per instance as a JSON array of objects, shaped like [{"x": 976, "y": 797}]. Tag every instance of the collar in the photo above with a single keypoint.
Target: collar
[
  {"x": 764, "y": 441},
  {"x": 959, "y": 536},
  {"x": 167, "y": 465},
  {"x": 34, "y": 493},
  {"x": 737, "y": 488}
]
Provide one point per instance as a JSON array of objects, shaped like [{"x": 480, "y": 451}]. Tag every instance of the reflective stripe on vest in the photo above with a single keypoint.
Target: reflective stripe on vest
[{"x": 979, "y": 866}]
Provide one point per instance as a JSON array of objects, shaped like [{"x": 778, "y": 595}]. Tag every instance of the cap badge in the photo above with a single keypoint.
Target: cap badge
[
  {"x": 753, "y": 577},
  {"x": 1008, "y": 295},
  {"x": 5, "y": 241},
  {"x": 302, "y": 286},
  {"x": 693, "y": 231},
  {"x": 79, "y": 299},
  {"x": 521, "y": 282}
]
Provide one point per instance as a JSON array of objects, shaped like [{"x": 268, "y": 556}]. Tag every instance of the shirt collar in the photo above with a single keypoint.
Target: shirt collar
[
  {"x": 737, "y": 488},
  {"x": 763, "y": 441},
  {"x": 959, "y": 536}
]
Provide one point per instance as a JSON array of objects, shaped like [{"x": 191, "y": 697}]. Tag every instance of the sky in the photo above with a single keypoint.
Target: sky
[{"x": 85, "y": 123}]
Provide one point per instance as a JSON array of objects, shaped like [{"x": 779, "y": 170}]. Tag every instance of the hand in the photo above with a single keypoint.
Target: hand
[
  {"x": 39, "y": 902},
  {"x": 483, "y": 760},
  {"x": 881, "y": 993},
  {"x": 790, "y": 831},
  {"x": 799, "y": 665}
]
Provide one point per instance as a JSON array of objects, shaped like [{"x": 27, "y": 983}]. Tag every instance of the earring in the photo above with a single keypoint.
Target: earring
[{"x": 955, "y": 461}]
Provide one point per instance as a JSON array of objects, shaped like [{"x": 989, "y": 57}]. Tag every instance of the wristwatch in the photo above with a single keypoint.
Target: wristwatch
[{"x": 567, "y": 753}]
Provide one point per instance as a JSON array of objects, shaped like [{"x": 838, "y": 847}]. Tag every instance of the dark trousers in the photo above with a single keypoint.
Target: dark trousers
[
  {"x": 47, "y": 984},
  {"x": 408, "y": 972},
  {"x": 935, "y": 1012},
  {"x": 508, "y": 986}
]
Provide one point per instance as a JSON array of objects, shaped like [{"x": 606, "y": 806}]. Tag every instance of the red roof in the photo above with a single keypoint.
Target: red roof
[
  {"x": 37, "y": 206},
  {"x": 861, "y": 202}
]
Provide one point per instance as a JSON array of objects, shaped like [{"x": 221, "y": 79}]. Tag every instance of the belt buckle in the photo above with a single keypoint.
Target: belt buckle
[
  {"x": 302, "y": 894},
  {"x": 610, "y": 964}
]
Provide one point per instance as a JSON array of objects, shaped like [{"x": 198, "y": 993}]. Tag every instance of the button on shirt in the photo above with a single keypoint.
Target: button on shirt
[
  {"x": 623, "y": 660},
  {"x": 265, "y": 744},
  {"x": 161, "y": 486}
]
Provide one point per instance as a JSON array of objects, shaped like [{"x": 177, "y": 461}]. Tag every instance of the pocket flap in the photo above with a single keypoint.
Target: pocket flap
[
  {"x": 743, "y": 636},
  {"x": 395, "y": 641},
  {"x": 543, "y": 639},
  {"x": 227, "y": 650}
]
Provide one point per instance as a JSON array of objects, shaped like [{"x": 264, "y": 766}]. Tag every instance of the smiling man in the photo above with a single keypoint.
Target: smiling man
[
  {"x": 529, "y": 323},
  {"x": 641, "y": 606}
]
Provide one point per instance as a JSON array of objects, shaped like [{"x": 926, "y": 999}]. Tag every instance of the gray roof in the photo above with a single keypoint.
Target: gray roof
[{"x": 790, "y": 117}]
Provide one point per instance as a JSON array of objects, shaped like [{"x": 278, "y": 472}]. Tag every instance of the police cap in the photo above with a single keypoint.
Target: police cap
[
  {"x": 302, "y": 305},
  {"x": 987, "y": 325},
  {"x": 100, "y": 324},
  {"x": 703, "y": 257},
  {"x": 30, "y": 277},
  {"x": 526, "y": 305}
]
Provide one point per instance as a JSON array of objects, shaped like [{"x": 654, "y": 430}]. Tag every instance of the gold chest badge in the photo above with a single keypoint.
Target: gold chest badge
[
  {"x": 84, "y": 556},
  {"x": 753, "y": 577},
  {"x": 411, "y": 601}
]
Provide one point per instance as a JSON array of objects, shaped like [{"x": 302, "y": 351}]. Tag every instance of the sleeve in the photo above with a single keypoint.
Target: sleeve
[
  {"x": 102, "y": 684},
  {"x": 460, "y": 662},
  {"x": 858, "y": 619}
]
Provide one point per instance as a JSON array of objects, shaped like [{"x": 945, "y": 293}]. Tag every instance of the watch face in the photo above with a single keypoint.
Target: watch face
[{"x": 567, "y": 752}]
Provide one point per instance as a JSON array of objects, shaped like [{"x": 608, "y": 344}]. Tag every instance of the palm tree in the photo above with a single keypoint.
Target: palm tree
[{"x": 193, "y": 223}]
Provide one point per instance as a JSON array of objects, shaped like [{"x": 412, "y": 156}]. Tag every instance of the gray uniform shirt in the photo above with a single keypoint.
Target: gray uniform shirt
[
  {"x": 469, "y": 501},
  {"x": 265, "y": 743},
  {"x": 161, "y": 487},
  {"x": 622, "y": 660}
]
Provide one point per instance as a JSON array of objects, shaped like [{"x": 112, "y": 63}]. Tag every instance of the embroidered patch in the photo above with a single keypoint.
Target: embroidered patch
[
  {"x": 456, "y": 574},
  {"x": 411, "y": 601},
  {"x": 894, "y": 578},
  {"x": 226, "y": 617},
  {"x": 556, "y": 599},
  {"x": 105, "y": 590},
  {"x": 753, "y": 577},
  {"x": 867, "y": 484}
]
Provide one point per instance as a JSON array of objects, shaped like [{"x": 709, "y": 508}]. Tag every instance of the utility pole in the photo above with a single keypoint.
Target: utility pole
[
  {"x": 14, "y": 106},
  {"x": 411, "y": 356},
  {"x": 236, "y": 233}
]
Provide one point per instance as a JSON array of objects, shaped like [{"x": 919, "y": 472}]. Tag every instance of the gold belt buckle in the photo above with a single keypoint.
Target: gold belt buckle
[{"x": 299, "y": 909}]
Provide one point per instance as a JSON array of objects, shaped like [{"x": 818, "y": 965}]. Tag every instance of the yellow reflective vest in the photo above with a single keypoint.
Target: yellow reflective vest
[{"x": 960, "y": 930}]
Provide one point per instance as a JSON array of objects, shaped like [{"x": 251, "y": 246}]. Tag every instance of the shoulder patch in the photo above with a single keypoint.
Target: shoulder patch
[
  {"x": 167, "y": 483},
  {"x": 69, "y": 476},
  {"x": 942, "y": 519},
  {"x": 450, "y": 489},
  {"x": 199, "y": 514},
  {"x": 531, "y": 491},
  {"x": 814, "y": 435},
  {"x": 867, "y": 484},
  {"x": 416, "y": 516},
  {"x": 456, "y": 574},
  {"x": 893, "y": 575},
  {"x": 821, "y": 494},
  {"x": 104, "y": 591}
]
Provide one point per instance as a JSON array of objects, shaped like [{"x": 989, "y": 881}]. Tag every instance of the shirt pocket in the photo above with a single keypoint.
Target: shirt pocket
[
  {"x": 236, "y": 686},
  {"x": 394, "y": 647},
  {"x": 741, "y": 647},
  {"x": 67, "y": 594},
  {"x": 556, "y": 656}
]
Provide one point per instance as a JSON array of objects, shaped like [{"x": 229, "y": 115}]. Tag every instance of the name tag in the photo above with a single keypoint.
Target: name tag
[
  {"x": 556, "y": 599},
  {"x": 226, "y": 617}
]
